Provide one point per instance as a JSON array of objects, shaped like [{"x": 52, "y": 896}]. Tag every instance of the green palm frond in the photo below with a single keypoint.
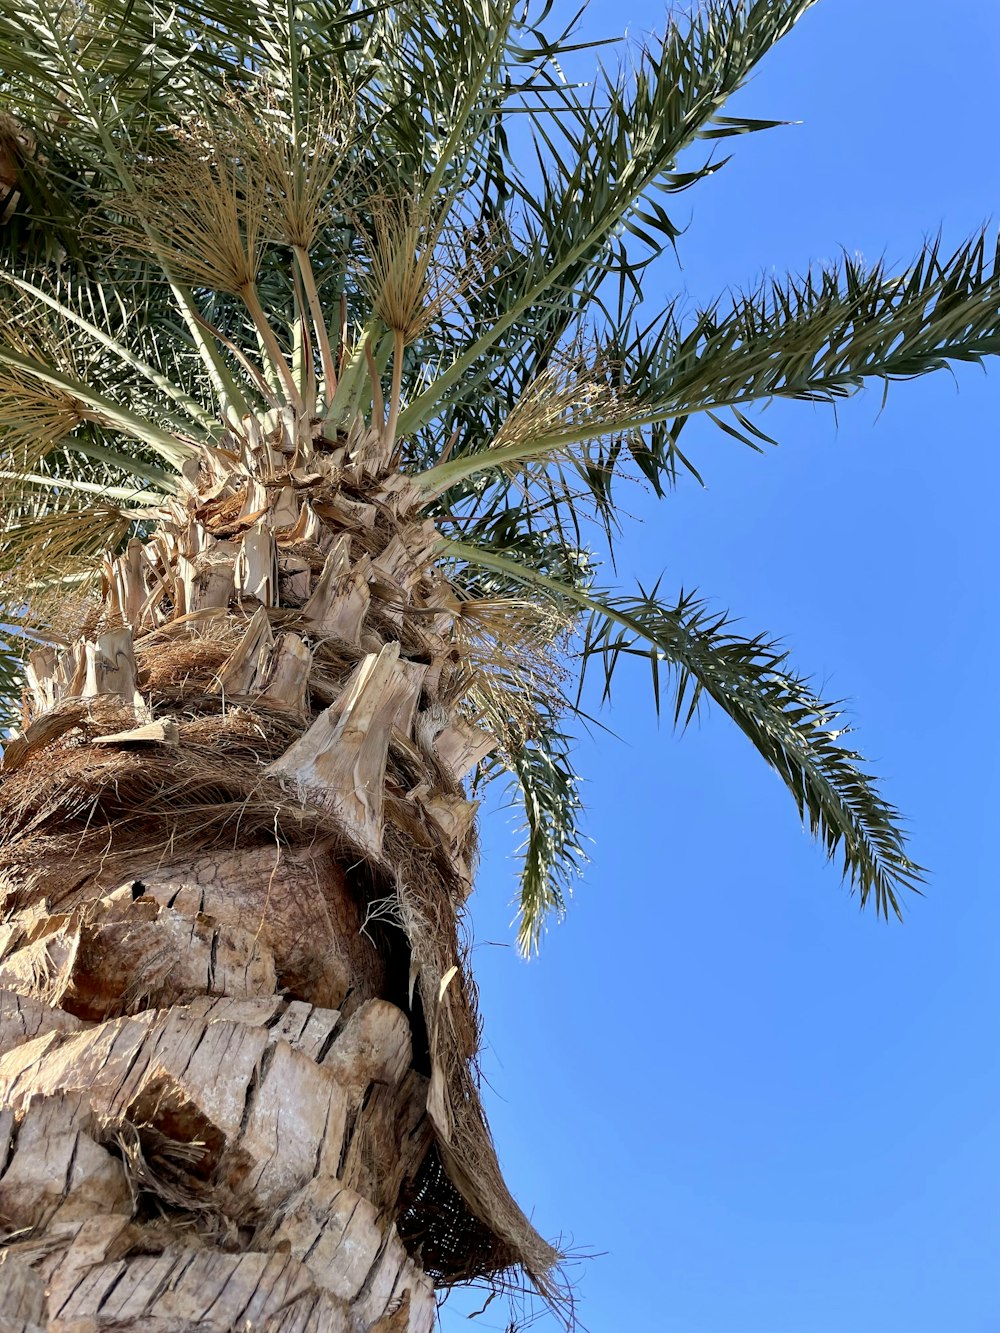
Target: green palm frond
[
  {"x": 794, "y": 730},
  {"x": 64, "y": 303},
  {"x": 818, "y": 338},
  {"x": 749, "y": 680},
  {"x": 601, "y": 158},
  {"x": 547, "y": 790},
  {"x": 90, "y": 404}
]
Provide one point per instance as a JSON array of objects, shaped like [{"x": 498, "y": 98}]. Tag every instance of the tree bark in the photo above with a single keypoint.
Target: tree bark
[
  {"x": 211, "y": 1166},
  {"x": 235, "y": 1030}
]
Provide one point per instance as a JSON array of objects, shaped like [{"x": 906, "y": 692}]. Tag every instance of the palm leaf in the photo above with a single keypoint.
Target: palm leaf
[
  {"x": 817, "y": 338},
  {"x": 613, "y": 157},
  {"x": 749, "y": 680}
]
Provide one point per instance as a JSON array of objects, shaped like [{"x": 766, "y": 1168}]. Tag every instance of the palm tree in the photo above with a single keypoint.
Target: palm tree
[{"x": 323, "y": 355}]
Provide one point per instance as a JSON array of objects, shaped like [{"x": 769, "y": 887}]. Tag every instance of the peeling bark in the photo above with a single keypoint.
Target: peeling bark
[{"x": 294, "y": 1159}]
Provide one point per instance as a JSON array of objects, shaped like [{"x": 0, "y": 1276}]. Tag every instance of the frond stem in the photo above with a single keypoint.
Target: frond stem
[
  {"x": 319, "y": 326},
  {"x": 271, "y": 346},
  {"x": 396, "y": 391}
]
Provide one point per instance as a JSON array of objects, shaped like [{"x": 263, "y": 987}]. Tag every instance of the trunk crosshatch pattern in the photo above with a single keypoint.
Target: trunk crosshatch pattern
[{"x": 315, "y": 394}]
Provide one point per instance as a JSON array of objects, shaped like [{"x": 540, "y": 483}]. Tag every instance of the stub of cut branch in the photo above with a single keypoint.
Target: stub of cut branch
[
  {"x": 460, "y": 747},
  {"x": 125, "y": 583},
  {"x": 340, "y": 761},
  {"x": 340, "y": 600},
  {"x": 111, "y": 668},
  {"x": 288, "y": 674},
  {"x": 248, "y": 661},
  {"x": 165, "y": 732},
  {"x": 257, "y": 566}
]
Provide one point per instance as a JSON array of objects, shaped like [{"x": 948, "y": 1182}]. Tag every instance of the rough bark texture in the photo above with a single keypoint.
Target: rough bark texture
[{"x": 235, "y": 1031}]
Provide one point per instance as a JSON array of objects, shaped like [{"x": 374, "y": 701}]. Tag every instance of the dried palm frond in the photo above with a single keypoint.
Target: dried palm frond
[
  {"x": 566, "y": 412},
  {"x": 203, "y": 208},
  {"x": 60, "y": 542},
  {"x": 294, "y": 154},
  {"x": 512, "y": 647},
  {"x": 50, "y": 583}
]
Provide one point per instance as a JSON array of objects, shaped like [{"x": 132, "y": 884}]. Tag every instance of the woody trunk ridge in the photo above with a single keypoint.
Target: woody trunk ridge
[{"x": 236, "y": 1035}]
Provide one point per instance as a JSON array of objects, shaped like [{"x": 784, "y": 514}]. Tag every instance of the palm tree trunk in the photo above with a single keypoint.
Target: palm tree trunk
[{"x": 235, "y": 1031}]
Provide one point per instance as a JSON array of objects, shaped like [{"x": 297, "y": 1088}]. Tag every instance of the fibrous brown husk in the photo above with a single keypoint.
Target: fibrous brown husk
[{"x": 81, "y": 818}]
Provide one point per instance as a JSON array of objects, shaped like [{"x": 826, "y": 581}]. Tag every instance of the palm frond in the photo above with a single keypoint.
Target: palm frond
[
  {"x": 818, "y": 338},
  {"x": 614, "y": 151},
  {"x": 62, "y": 302},
  {"x": 66, "y": 539},
  {"x": 206, "y": 214},
  {"x": 514, "y": 648},
  {"x": 90, "y": 404},
  {"x": 790, "y": 727},
  {"x": 553, "y": 859}
]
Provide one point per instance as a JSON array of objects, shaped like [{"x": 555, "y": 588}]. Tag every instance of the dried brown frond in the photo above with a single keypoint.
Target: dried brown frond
[
  {"x": 34, "y": 418},
  {"x": 512, "y": 649},
  {"x": 516, "y": 619},
  {"x": 568, "y": 399},
  {"x": 298, "y": 168},
  {"x": 479, "y": 1230},
  {"x": 204, "y": 209},
  {"x": 50, "y": 576}
]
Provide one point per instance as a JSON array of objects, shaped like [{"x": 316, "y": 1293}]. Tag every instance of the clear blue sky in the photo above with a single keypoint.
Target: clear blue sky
[{"x": 769, "y": 1113}]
